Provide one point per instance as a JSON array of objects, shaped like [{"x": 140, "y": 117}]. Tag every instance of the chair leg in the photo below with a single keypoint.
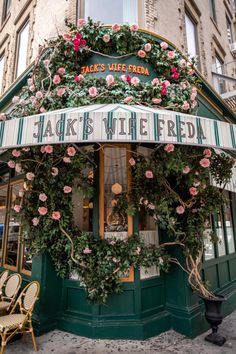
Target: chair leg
[
  {"x": 33, "y": 337},
  {"x": 3, "y": 344}
]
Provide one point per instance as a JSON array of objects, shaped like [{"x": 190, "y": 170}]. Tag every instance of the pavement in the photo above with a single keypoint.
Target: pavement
[{"x": 170, "y": 342}]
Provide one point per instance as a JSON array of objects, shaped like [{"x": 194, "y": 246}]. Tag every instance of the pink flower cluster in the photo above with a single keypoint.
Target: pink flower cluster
[
  {"x": 78, "y": 42},
  {"x": 169, "y": 148}
]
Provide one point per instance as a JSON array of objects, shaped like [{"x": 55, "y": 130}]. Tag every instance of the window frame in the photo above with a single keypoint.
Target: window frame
[
  {"x": 130, "y": 278},
  {"x": 6, "y": 10},
  {"x": 19, "y": 31},
  {"x": 2, "y": 56},
  {"x": 80, "y": 11},
  {"x": 195, "y": 23},
  {"x": 229, "y": 29},
  {"x": 213, "y": 10}
]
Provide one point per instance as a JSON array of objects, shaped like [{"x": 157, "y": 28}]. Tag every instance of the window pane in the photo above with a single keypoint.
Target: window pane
[
  {"x": 229, "y": 30},
  {"x": 229, "y": 226},
  {"x": 6, "y": 9},
  {"x": 209, "y": 247},
  {"x": 1, "y": 73},
  {"x": 212, "y": 9},
  {"x": 13, "y": 229},
  {"x": 3, "y": 206},
  {"x": 220, "y": 234},
  {"x": 191, "y": 36},
  {"x": 119, "y": 11},
  {"x": 22, "y": 49},
  {"x": 115, "y": 193},
  {"x": 26, "y": 256}
]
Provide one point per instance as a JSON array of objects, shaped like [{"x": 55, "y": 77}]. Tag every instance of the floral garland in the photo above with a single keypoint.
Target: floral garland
[{"x": 56, "y": 81}]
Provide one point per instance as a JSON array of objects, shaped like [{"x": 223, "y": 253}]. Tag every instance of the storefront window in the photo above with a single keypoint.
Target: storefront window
[
  {"x": 26, "y": 256},
  {"x": 229, "y": 226},
  {"x": 220, "y": 234},
  {"x": 208, "y": 244},
  {"x": 11, "y": 255},
  {"x": 3, "y": 208}
]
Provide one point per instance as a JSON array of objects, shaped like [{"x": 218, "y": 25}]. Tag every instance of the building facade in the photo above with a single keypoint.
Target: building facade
[{"x": 150, "y": 303}]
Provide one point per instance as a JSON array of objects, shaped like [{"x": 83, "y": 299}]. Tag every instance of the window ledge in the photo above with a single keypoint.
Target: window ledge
[
  {"x": 215, "y": 24},
  {"x": 5, "y": 21}
]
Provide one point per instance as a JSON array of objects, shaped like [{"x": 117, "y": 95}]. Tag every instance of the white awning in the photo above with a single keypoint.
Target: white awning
[{"x": 116, "y": 123}]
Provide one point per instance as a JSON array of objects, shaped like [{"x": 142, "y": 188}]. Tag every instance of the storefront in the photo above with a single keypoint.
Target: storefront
[{"x": 152, "y": 301}]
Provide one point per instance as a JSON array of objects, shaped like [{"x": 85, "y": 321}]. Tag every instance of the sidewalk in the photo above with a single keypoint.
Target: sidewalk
[{"x": 170, "y": 342}]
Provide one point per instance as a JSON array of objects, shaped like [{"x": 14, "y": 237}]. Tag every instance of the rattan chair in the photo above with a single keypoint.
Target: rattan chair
[
  {"x": 3, "y": 278},
  {"x": 10, "y": 290},
  {"x": 16, "y": 323}
]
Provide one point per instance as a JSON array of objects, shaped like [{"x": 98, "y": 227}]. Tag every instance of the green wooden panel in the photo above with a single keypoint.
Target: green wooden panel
[
  {"x": 152, "y": 298},
  {"x": 211, "y": 276},
  {"x": 223, "y": 273},
  {"x": 123, "y": 304},
  {"x": 76, "y": 301},
  {"x": 232, "y": 269}
]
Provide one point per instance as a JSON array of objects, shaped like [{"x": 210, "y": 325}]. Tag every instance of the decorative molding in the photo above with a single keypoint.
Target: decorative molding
[
  {"x": 219, "y": 46},
  {"x": 7, "y": 35},
  {"x": 20, "y": 14}
]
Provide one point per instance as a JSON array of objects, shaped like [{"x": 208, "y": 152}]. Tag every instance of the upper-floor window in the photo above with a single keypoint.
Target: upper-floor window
[
  {"x": 229, "y": 30},
  {"x": 191, "y": 32},
  {"x": 6, "y": 9},
  {"x": 212, "y": 9},
  {"x": 1, "y": 72},
  {"x": 22, "y": 46},
  {"x": 219, "y": 82},
  {"x": 108, "y": 12}
]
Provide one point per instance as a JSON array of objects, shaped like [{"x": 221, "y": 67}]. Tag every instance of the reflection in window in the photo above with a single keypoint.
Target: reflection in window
[
  {"x": 220, "y": 234},
  {"x": 13, "y": 229},
  {"x": 22, "y": 49},
  {"x": 3, "y": 206},
  {"x": 229, "y": 226},
  {"x": 115, "y": 193},
  {"x": 119, "y": 11},
  {"x": 208, "y": 244}
]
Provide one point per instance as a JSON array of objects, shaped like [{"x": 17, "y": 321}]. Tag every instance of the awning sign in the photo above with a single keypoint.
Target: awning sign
[{"x": 116, "y": 123}]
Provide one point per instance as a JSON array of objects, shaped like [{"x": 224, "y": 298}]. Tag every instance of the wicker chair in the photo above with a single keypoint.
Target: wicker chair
[
  {"x": 11, "y": 288},
  {"x": 3, "y": 278},
  {"x": 16, "y": 323}
]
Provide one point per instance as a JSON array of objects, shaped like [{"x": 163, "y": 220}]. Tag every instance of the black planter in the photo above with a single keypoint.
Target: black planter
[{"x": 214, "y": 316}]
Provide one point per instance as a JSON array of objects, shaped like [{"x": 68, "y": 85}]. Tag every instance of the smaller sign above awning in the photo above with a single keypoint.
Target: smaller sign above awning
[{"x": 116, "y": 123}]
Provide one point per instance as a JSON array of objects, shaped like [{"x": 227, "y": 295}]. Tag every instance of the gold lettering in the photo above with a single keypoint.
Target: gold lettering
[
  {"x": 102, "y": 66},
  {"x": 124, "y": 68}
]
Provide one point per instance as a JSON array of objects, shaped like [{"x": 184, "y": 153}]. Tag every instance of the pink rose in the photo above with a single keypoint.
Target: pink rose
[
  {"x": 166, "y": 83},
  {"x": 48, "y": 149},
  {"x": 106, "y": 38},
  {"x": 71, "y": 151},
  {"x": 141, "y": 53},
  {"x": 180, "y": 209},
  {"x": 171, "y": 54},
  {"x": 42, "y": 110},
  {"x": 35, "y": 221},
  {"x": 175, "y": 75},
  {"x": 39, "y": 95},
  {"x": 18, "y": 168},
  {"x": 42, "y": 210},
  {"x": 110, "y": 80},
  {"x": 148, "y": 47},
  {"x": 79, "y": 78},
  {"x": 16, "y": 153},
  {"x": 132, "y": 161},
  {"x": 43, "y": 197},
  {"x": 30, "y": 176},
  {"x": 92, "y": 91},
  {"x": 205, "y": 163},
  {"x": 156, "y": 100},
  {"x": 30, "y": 81},
  {"x": 81, "y": 22},
  {"x": 55, "y": 171},
  {"x": 182, "y": 63},
  {"x": 56, "y": 215},
  {"x": 42, "y": 149},
  {"x": 164, "y": 45},
  {"x": 207, "y": 153},
  {"x": 16, "y": 99},
  {"x": 194, "y": 89},
  {"x": 67, "y": 189},
  {"x": 185, "y": 106},
  {"x": 67, "y": 36},
  {"x": 128, "y": 99},
  {"x": 193, "y": 191},
  {"x": 186, "y": 170},
  {"x": 194, "y": 104},
  {"x": 87, "y": 250},
  {"x": 115, "y": 27},
  {"x": 32, "y": 88},
  {"x": 61, "y": 71},
  {"x": 155, "y": 81},
  {"x": 135, "y": 81},
  {"x": 191, "y": 72},
  {"x": 193, "y": 96},
  {"x": 11, "y": 164},
  {"x": 169, "y": 148},
  {"x": 61, "y": 91},
  {"x": 148, "y": 174},
  {"x": 3, "y": 116},
  {"x": 56, "y": 80},
  {"x": 134, "y": 27},
  {"x": 17, "y": 208},
  {"x": 66, "y": 159}
]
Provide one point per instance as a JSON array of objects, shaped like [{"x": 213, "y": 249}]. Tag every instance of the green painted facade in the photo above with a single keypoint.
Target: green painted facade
[{"x": 146, "y": 307}]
